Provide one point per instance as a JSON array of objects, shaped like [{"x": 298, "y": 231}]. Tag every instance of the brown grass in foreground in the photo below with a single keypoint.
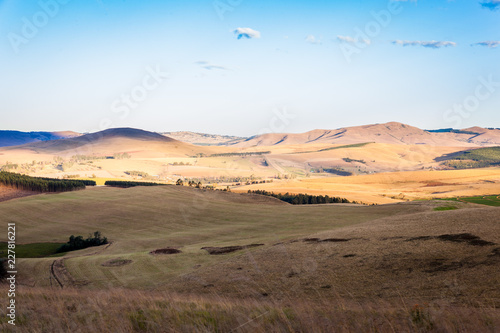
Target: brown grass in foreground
[{"x": 120, "y": 310}]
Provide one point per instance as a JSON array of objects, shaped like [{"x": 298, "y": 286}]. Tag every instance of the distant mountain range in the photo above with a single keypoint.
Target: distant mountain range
[
  {"x": 15, "y": 138},
  {"x": 390, "y": 133}
]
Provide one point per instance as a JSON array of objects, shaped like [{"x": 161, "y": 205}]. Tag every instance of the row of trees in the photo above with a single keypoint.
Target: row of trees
[
  {"x": 24, "y": 182},
  {"x": 302, "y": 199},
  {"x": 78, "y": 243},
  {"x": 255, "y": 153},
  {"x": 125, "y": 184}
]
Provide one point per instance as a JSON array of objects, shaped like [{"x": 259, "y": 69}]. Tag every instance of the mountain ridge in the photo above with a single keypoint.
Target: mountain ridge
[{"x": 391, "y": 133}]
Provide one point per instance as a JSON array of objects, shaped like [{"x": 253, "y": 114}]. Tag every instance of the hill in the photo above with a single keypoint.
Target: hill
[
  {"x": 228, "y": 249},
  {"x": 389, "y": 133},
  {"x": 16, "y": 138},
  {"x": 110, "y": 141}
]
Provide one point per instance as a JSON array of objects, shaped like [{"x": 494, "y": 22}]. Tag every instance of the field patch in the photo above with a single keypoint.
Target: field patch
[
  {"x": 332, "y": 240},
  {"x": 167, "y": 250},
  {"x": 227, "y": 249},
  {"x": 457, "y": 238},
  {"x": 473, "y": 158},
  {"x": 33, "y": 250},
  {"x": 488, "y": 200},
  {"x": 443, "y": 208},
  {"x": 116, "y": 262}
]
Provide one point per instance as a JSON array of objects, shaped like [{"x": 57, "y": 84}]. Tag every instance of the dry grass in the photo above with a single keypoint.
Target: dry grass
[
  {"x": 139, "y": 220},
  {"x": 393, "y": 186},
  {"x": 70, "y": 310},
  {"x": 322, "y": 268},
  {"x": 431, "y": 255}
]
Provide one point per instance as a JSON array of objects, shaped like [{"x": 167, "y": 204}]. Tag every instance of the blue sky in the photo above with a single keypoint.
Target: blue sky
[{"x": 296, "y": 66}]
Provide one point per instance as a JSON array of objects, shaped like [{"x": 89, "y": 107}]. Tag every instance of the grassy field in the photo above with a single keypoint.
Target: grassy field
[
  {"x": 443, "y": 208},
  {"x": 139, "y": 311},
  {"x": 328, "y": 267},
  {"x": 33, "y": 250},
  {"x": 390, "y": 187},
  {"x": 488, "y": 200},
  {"x": 140, "y": 220}
]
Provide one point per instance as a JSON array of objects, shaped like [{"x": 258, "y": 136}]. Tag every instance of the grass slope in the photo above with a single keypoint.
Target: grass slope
[
  {"x": 322, "y": 267},
  {"x": 139, "y": 220}
]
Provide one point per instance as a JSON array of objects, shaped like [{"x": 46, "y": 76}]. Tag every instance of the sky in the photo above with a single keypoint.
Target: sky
[{"x": 244, "y": 67}]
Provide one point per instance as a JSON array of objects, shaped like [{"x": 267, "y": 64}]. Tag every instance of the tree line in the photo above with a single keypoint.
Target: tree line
[
  {"x": 37, "y": 184},
  {"x": 302, "y": 199},
  {"x": 125, "y": 184}
]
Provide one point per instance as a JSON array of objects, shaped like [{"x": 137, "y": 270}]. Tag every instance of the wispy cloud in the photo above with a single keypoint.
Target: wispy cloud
[
  {"x": 313, "y": 40},
  {"x": 209, "y": 66},
  {"x": 431, "y": 44},
  {"x": 246, "y": 33},
  {"x": 491, "y": 4},
  {"x": 350, "y": 40},
  {"x": 488, "y": 43}
]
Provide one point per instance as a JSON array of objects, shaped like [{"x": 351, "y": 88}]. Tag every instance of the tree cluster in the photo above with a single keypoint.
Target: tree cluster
[
  {"x": 302, "y": 199},
  {"x": 78, "y": 243}
]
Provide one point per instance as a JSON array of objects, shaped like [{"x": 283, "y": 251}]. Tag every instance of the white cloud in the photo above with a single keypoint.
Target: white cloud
[
  {"x": 432, "y": 44},
  {"x": 491, "y": 4},
  {"x": 489, "y": 43},
  {"x": 246, "y": 33},
  {"x": 313, "y": 40},
  {"x": 350, "y": 40},
  {"x": 209, "y": 66}
]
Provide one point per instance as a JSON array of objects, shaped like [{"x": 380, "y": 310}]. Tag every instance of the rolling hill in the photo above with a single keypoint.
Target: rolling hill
[
  {"x": 110, "y": 141},
  {"x": 306, "y": 267}
]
